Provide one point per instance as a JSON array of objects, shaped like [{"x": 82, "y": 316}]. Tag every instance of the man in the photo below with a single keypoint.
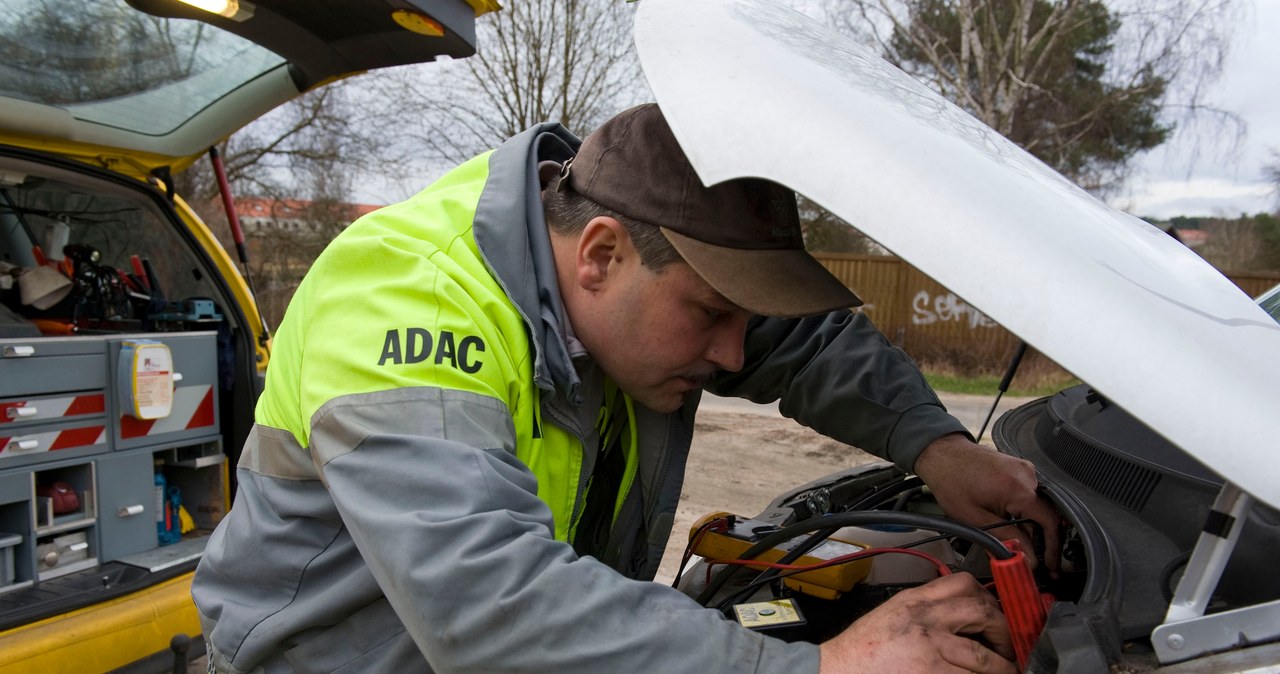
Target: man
[{"x": 477, "y": 415}]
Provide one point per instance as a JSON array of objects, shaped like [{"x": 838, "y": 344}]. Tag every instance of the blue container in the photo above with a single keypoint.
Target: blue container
[{"x": 167, "y": 525}]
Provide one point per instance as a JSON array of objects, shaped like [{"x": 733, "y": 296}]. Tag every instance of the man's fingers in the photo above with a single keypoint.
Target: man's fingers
[
  {"x": 971, "y": 610},
  {"x": 1041, "y": 512},
  {"x": 980, "y": 616},
  {"x": 975, "y": 484},
  {"x": 995, "y": 634},
  {"x": 973, "y": 633},
  {"x": 1048, "y": 518},
  {"x": 956, "y": 585},
  {"x": 970, "y": 655},
  {"x": 948, "y": 624}
]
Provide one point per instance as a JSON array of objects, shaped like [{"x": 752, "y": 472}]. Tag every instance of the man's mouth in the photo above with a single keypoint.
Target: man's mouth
[{"x": 695, "y": 381}]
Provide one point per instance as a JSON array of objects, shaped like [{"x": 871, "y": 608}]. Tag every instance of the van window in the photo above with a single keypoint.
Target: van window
[{"x": 119, "y": 262}]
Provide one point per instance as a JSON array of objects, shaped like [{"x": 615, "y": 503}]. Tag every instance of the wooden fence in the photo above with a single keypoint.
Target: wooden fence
[{"x": 930, "y": 322}]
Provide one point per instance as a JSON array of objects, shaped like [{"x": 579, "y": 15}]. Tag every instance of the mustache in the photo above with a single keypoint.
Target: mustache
[{"x": 700, "y": 377}]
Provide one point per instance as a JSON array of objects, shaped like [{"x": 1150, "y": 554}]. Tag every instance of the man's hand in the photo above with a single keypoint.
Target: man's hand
[
  {"x": 978, "y": 486},
  {"x": 950, "y": 624}
]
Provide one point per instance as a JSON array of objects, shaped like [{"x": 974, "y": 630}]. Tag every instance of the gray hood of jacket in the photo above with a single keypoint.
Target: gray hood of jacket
[{"x": 514, "y": 259}]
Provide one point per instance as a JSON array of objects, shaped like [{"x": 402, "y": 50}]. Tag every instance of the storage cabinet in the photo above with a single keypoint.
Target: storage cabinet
[
  {"x": 61, "y": 554},
  {"x": 194, "y": 411},
  {"x": 51, "y": 364},
  {"x": 78, "y": 484},
  {"x": 128, "y": 499},
  {"x": 52, "y": 399},
  {"x": 17, "y": 552}
]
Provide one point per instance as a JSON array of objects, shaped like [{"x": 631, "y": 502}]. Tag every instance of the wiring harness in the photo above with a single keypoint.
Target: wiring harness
[{"x": 1026, "y": 609}]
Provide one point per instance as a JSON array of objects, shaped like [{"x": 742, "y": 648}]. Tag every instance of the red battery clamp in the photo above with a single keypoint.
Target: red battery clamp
[{"x": 1024, "y": 606}]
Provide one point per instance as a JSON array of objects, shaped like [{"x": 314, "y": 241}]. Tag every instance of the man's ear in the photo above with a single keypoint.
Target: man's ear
[{"x": 602, "y": 246}]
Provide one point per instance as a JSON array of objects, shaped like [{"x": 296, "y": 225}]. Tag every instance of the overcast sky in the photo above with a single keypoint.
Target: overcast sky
[{"x": 1221, "y": 184}]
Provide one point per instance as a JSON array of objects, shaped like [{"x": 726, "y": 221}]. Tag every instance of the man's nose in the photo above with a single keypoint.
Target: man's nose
[{"x": 726, "y": 348}]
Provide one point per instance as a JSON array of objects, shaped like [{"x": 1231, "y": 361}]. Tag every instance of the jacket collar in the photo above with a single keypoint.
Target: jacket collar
[{"x": 511, "y": 233}]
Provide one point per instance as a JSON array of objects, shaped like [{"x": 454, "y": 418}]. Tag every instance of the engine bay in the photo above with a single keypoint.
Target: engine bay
[
  {"x": 822, "y": 555},
  {"x": 830, "y": 551}
]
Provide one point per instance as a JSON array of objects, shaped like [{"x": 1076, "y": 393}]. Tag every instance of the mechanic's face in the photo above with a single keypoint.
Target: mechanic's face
[{"x": 658, "y": 335}]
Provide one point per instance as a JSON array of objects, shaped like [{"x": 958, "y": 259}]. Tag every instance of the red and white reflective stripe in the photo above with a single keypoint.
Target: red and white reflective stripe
[
  {"x": 52, "y": 441},
  {"x": 53, "y": 408},
  {"x": 192, "y": 408}
]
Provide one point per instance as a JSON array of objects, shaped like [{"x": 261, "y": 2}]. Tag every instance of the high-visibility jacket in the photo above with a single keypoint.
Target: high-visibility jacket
[{"x": 408, "y": 496}]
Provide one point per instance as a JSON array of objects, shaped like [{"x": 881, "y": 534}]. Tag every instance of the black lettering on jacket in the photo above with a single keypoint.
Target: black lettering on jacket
[
  {"x": 445, "y": 350},
  {"x": 391, "y": 348},
  {"x": 418, "y": 345},
  {"x": 469, "y": 342}
]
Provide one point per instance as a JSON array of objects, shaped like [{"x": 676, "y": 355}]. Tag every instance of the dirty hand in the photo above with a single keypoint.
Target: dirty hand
[
  {"x": 950, "y": 624},
  {"x": 978, "y": 486}
]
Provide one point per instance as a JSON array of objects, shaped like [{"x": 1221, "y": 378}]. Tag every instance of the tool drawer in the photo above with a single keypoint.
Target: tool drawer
[
  {"x": 36, "y": 443},
  {"x": 52, "y": 399},
  {"x": 19, "y": 412},
  {"x": 61, "y": 554},
  {"x": 50, "y": 365}
]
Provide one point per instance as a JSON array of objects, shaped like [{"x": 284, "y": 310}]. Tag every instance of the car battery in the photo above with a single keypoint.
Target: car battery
[{"x": 827, "y": 583}]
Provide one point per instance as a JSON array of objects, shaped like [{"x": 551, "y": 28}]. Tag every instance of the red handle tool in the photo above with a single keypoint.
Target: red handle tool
[{"x": 1025, "y": 607}]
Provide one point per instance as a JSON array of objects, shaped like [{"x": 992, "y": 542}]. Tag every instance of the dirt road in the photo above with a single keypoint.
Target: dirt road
[{"x": 744, "y": 455}]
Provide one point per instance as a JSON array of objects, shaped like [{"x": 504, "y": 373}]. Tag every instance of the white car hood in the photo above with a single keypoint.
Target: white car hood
[{"x": 751, "y": 89}]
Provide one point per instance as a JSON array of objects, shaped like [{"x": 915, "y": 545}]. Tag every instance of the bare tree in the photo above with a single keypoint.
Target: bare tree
[
  {"x": 1271, "y": 172},
  {"x": 317, "y": 134},
  {"x": 1081, "y": 84},
  {"x": 543, "y": 60},
  {"x": 1269, "y": 224},
  {"x": 568, "y": 61},
  {"x": 284, "y": 247},
  {"x": 1232, "y": 245},
  {"x": 306, "y": 151},
  {"x": 827, "y": 233}
]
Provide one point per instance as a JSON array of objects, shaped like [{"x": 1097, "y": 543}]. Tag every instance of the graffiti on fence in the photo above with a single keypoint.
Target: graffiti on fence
[{"x": 927, "y": 310}]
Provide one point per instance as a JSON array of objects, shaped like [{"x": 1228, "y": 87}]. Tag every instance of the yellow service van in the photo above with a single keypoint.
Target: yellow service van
[{"x": 132, "y": 348}]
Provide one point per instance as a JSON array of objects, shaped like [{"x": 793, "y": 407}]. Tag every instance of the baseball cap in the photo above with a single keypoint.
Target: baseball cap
[{"x": 741, "y": 236}]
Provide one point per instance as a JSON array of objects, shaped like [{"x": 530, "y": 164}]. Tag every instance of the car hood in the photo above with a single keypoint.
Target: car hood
[
  {"x": 155, "y": 83},
  {"x": 751, "y": 89}
]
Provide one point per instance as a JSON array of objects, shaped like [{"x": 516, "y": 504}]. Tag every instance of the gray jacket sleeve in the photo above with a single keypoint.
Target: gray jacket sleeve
[
  {"x": 450, "y": 524},
  {"x": 837, "y": 374}
]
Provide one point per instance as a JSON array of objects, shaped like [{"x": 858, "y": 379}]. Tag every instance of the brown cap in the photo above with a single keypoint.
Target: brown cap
[{"x": 742, "y": 236}]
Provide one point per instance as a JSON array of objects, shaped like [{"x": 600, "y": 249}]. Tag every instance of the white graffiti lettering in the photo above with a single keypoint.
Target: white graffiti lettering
[{"x": 948, "y": 307}]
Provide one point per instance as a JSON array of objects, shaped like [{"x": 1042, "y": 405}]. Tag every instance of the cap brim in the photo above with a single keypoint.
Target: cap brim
[{"x": 785, "y": 283}]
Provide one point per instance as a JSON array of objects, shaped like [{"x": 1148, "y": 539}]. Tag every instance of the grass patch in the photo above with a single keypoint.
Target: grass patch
[
  {"x": 979, "y": 371},
  {"x": 989, "y": 384}
]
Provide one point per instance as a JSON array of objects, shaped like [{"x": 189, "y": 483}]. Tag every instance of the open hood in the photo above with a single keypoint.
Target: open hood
[
  {"x": 159, "y": 81},
  {"x": 751, "y": 89}
]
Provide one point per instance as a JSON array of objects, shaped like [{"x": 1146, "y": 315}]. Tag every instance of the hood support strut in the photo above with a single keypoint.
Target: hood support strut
[{"x": 1187, "y": 632}]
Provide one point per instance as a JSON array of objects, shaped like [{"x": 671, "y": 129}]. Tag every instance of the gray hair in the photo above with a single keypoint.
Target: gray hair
[{"x": 568, "y": 213}]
